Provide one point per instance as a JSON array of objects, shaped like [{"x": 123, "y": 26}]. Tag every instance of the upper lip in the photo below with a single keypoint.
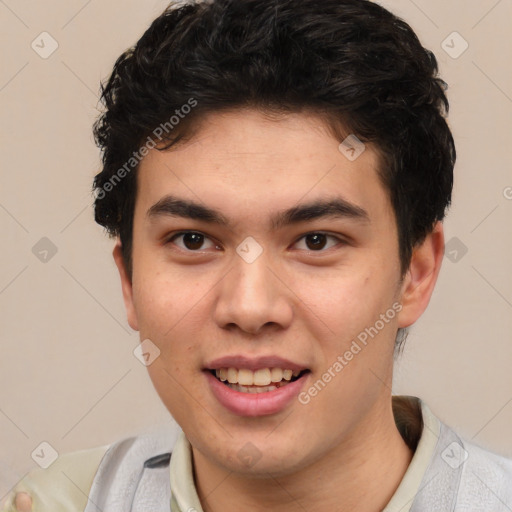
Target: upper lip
[{"x": 254, "y": 363}]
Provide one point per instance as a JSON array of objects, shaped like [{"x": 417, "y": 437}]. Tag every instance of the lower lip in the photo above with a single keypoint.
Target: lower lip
[{"x": 255, "y": 404}]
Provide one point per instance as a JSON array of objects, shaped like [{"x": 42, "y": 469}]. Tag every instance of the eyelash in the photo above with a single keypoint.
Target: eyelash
[{"x": 181, "y": 233}]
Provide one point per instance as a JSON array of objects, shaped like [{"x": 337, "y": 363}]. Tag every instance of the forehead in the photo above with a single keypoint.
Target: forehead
[{"x": 242, "y": 163}]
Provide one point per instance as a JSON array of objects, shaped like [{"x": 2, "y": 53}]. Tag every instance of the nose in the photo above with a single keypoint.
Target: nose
[{"x": 252, "y": 297}]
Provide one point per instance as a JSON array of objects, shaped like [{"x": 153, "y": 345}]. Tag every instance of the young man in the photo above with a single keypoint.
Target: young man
[{"x": 276, "y": 174}]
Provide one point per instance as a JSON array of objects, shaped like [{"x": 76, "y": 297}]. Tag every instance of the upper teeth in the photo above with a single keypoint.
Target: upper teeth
[{"x": 262, "y": 377}]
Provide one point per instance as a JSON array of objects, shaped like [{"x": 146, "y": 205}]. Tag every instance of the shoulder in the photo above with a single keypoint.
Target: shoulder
[
  {"x": 64, "y": 485},
  {"x": 105, "y": 476},
  {"x": 486, "y": 478},
  {"x": 461, "y": 475}
]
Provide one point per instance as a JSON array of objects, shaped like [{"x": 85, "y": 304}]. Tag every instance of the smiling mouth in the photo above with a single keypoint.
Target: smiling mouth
[{"x": 259, "y": 381}]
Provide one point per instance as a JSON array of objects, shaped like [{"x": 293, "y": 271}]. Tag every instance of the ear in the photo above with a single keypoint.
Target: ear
[
  {"x": 126, "y": 285},
  {"x": 421, "y": 277}
]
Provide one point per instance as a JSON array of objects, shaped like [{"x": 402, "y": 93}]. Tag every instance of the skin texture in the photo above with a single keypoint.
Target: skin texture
[
  {"x": 23, "y": 502},
  {"x": 341, "y": 451}
]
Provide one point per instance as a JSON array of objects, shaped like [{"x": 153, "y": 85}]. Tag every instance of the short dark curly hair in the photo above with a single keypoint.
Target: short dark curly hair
[{"x": 358, "y": 66}]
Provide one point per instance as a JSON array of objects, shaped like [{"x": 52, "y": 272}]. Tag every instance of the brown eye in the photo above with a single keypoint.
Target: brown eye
[
  {"x": 318, "y": 241},
  {"x": 191, "y": 240}
]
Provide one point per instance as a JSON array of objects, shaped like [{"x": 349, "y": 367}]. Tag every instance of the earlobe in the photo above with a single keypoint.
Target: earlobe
[
  {"x": 421, "y": 277},
  {"x": 126, "y": 285}
]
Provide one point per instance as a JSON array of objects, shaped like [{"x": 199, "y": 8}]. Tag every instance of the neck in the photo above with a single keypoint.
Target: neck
[{"x": 361, "y": 473}]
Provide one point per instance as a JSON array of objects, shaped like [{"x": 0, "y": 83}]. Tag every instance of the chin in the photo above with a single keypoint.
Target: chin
[{"x": 258, "y": 458}]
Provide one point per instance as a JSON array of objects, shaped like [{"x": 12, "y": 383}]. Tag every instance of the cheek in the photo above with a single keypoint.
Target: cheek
[
  {"x": 171, "y": 386},
  {"x": 347, "y": 301},
  {"x": 168, "y": 304}
]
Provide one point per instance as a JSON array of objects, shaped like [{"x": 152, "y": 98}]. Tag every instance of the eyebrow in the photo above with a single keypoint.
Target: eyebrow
[{"x": 336, "y": 207}]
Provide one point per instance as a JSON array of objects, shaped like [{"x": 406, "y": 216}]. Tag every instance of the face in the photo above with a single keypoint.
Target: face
[{"x": 288, "y": 261}]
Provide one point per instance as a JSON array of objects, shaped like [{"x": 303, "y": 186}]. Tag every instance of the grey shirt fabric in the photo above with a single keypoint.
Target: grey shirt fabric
[{"x": 150, "y": 473}]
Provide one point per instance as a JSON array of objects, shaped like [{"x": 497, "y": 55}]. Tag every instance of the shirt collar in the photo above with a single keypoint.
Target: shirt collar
[{"x": 402, "y": 499}]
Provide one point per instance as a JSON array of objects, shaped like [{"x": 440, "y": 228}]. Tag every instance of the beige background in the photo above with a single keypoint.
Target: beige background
[{"x": 68, "y": 375}]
